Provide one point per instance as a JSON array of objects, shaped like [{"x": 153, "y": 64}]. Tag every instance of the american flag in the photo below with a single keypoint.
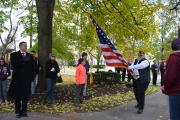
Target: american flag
[{"x": 111, "y": 55}]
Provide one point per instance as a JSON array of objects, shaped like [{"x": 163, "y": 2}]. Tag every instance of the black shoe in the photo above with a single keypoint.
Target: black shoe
[
  {"x": 18, "y": 115},
  {"x": 137, "y": 106},
  {"x": 24, "y": 115},
  {"x": 140, "y": 111}
]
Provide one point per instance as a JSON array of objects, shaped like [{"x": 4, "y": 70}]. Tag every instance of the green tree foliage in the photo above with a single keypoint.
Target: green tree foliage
[
  {"x": 29, "y": 21},
  {"x": 130, "y": 24},
  {"x": 167, "y": 31}
]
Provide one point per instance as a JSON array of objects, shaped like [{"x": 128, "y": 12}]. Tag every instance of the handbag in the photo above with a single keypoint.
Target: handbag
[{"x": 59, "y": 79}]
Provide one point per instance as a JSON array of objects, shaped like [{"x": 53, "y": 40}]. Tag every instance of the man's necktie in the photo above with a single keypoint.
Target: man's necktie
[{"x": 23, "y": 54}]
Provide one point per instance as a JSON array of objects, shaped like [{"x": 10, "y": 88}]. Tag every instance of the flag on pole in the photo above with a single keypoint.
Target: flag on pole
[{"x": 111, "y": 55}]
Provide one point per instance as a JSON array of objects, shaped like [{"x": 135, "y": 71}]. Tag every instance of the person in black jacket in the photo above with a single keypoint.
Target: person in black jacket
[
  {"x": 36, "y": 71},
  {"x": 154, "y": 68},
  {"x": 4, "y": 73},
  {"x": 87, "y": 66},
  {"x": 162, "y": 70},
  {"x": 22, "y": 76},
  {"x": 52, "y": 69}
]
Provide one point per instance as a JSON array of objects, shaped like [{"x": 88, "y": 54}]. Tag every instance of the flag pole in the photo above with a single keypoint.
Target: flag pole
[{"x": 89, "y": 15}]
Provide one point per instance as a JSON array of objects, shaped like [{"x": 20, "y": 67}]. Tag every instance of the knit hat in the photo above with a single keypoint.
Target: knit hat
[{"x": 175, "y": 45}]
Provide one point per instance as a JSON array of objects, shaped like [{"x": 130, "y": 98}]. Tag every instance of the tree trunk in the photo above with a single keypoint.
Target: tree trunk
[{"x": 45, "y": 10}]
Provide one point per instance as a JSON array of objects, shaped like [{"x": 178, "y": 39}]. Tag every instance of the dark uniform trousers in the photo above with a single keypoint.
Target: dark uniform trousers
[
  {"x": 139, "y": 88},
  {"x": 154, "y": 77},
  {"x": 21, "y": 105}
]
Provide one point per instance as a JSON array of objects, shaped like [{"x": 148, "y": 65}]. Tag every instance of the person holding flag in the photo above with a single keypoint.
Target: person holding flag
[
  {"x": 141, "y": 66},
  {"x": 140, "y": 69}
]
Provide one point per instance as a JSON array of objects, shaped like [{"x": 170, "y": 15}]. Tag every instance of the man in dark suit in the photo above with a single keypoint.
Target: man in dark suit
[{"x": 22, "y": 76}]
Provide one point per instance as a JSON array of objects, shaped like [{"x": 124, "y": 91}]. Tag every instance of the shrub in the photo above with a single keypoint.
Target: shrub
[
  {"x": 100, "y": 66},
  {"x": 102, "y": 77}
]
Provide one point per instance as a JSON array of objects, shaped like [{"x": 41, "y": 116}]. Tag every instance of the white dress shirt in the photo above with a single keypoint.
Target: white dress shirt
[
  {"x": 142, "y": 65},
  {"x": 23, "y": 53},
  {"x": 137, "y": 67}
]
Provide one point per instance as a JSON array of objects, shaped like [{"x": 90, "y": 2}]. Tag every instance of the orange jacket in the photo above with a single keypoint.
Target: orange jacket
[{"x": 80, "y": 74}]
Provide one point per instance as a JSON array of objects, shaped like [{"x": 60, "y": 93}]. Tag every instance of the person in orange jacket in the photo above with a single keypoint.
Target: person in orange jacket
[{"x": 80, "y": 79}]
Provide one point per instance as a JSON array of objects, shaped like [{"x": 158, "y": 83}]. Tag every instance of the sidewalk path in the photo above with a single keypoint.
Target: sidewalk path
[{"x": 156, "y": 108}]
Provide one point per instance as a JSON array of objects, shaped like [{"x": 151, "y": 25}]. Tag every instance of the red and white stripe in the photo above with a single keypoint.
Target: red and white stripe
[{"x": 112, "y": 57}]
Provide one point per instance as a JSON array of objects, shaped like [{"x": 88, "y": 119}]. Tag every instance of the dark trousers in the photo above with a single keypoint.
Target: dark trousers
[
  {"x": 174, "y": 107},
  {"x": 123, "y": 74},
  {"x": 51, "y": 84},
  {"x": 162, "y": 78},
  {"x": 21, "y": 105},
  {"x": 154, "y": 78},
  {"x": 139, "y": 88},
  {"x": 79, "y": 93}
]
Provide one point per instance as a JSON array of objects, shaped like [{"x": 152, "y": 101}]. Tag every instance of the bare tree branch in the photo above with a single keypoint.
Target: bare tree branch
[
  {"x": 90, "y": 52},
  {"x": 13, "y": 36},
  {"x": 25, "y": 8},
  {"x": 176, "y": 6},
  {"x": 1, "y": 40},
  {"x": 10, "y": 20}
]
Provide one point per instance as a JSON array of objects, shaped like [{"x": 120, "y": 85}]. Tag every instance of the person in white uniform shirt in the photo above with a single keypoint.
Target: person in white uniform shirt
[{"x": 141, "y": 69}]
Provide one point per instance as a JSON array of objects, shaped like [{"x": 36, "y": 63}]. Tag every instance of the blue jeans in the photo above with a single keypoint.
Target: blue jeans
[
  {"x": 33, "y": 85},
  {"x": 85, "y": 87},
  {"x": 3, "y": 90},
  {"x": 51, "y": 83},
  {"x": 79, "y": 93},
  {"x": 174, "y": 107}
]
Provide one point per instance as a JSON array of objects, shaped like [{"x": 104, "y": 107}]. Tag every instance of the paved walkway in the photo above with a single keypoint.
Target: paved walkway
[{"x": 156, "y": 109}]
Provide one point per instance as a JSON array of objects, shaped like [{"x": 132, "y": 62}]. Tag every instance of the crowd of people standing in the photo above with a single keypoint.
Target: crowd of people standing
[{"x": 26, "y": 66}]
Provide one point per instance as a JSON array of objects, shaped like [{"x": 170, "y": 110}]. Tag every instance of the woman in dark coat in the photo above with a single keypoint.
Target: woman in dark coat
[
  {"x": 52, "y": 69},
  {"x": 4, "y": 73},
  {"x": 23, "y": 74}
]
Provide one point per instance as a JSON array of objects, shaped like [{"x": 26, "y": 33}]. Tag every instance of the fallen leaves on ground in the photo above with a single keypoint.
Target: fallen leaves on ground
[{"x": 100, "y": 98}]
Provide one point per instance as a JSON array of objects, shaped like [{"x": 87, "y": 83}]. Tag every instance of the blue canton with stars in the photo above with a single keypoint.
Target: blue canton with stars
[{"x": 103, "y": 38}]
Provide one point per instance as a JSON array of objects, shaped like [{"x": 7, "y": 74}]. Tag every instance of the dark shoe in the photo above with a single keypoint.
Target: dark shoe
[
  {"x": 18, "y": 115},
  {"x": 81, "y": 102},
  {"x": 137, "y": 106},
  {"x": 24, "y": 115},
  {"x": 140, "y": 111}
]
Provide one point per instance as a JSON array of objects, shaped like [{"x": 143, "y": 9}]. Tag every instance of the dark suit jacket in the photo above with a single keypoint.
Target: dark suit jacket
[{"x": 22, "y": 76}]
